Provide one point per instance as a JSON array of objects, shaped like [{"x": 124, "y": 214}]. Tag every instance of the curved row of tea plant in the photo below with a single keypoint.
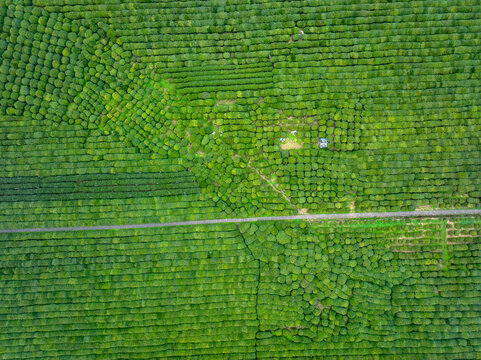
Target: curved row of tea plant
[{"x": 392, "y": 86}]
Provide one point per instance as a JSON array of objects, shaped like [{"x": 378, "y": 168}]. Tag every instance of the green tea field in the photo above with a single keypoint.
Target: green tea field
[{"x": 131, "y": 112}]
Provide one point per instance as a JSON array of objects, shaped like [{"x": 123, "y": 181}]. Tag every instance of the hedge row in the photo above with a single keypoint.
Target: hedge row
[
  {"x": 370, "y": 284},
  {"x": 198, "y": 290}
]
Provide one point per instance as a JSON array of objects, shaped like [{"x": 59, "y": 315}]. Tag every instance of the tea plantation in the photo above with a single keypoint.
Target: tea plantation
[{"x": 120, "y": 112}]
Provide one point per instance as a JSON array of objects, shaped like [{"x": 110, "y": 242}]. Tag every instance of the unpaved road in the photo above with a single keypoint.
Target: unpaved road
[{"x": 400, "y": 214}]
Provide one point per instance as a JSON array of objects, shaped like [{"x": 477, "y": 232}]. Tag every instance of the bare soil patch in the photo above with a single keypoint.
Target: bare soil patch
[
  {"x": 424, "y": 208},
  {"x": 226, "y": 102},
  {"x": 289, "y": 144}
]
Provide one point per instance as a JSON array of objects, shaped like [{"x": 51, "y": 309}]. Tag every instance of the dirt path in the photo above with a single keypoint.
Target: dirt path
[{"x": 430, "y": 213}]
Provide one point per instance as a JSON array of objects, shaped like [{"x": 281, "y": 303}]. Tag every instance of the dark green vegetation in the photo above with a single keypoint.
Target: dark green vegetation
[
  {"x": 273, "y": 290},
  {"x": 128, "y": 295},
  {"x": 393, "y": 87},
  {"x": 117, "y": 112},
  {"x": 369, "y": 289}
]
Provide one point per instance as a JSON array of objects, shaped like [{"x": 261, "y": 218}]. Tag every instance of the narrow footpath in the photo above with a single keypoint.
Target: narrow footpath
[{"x": 399, "y": 214}]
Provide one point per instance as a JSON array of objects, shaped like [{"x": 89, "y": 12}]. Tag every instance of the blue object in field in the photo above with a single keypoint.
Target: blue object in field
[{"x": 323, "y": 143}]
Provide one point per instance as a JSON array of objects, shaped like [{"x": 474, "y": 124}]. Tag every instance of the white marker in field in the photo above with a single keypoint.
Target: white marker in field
[{"x": 323, "y": 143}]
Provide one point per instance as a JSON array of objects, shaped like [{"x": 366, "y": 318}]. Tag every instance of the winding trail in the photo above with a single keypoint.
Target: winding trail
[{"x": 430, "y": 213}]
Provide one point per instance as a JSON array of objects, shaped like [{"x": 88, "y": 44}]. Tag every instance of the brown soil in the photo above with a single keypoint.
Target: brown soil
[
  {"x": 289, "y": 144},
  {"x": 226, "y": 102},
  {"x": 424, "y": 208}
]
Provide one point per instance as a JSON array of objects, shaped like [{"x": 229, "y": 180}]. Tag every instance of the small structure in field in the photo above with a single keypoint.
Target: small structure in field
[{"x": 322, "y": 143}]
